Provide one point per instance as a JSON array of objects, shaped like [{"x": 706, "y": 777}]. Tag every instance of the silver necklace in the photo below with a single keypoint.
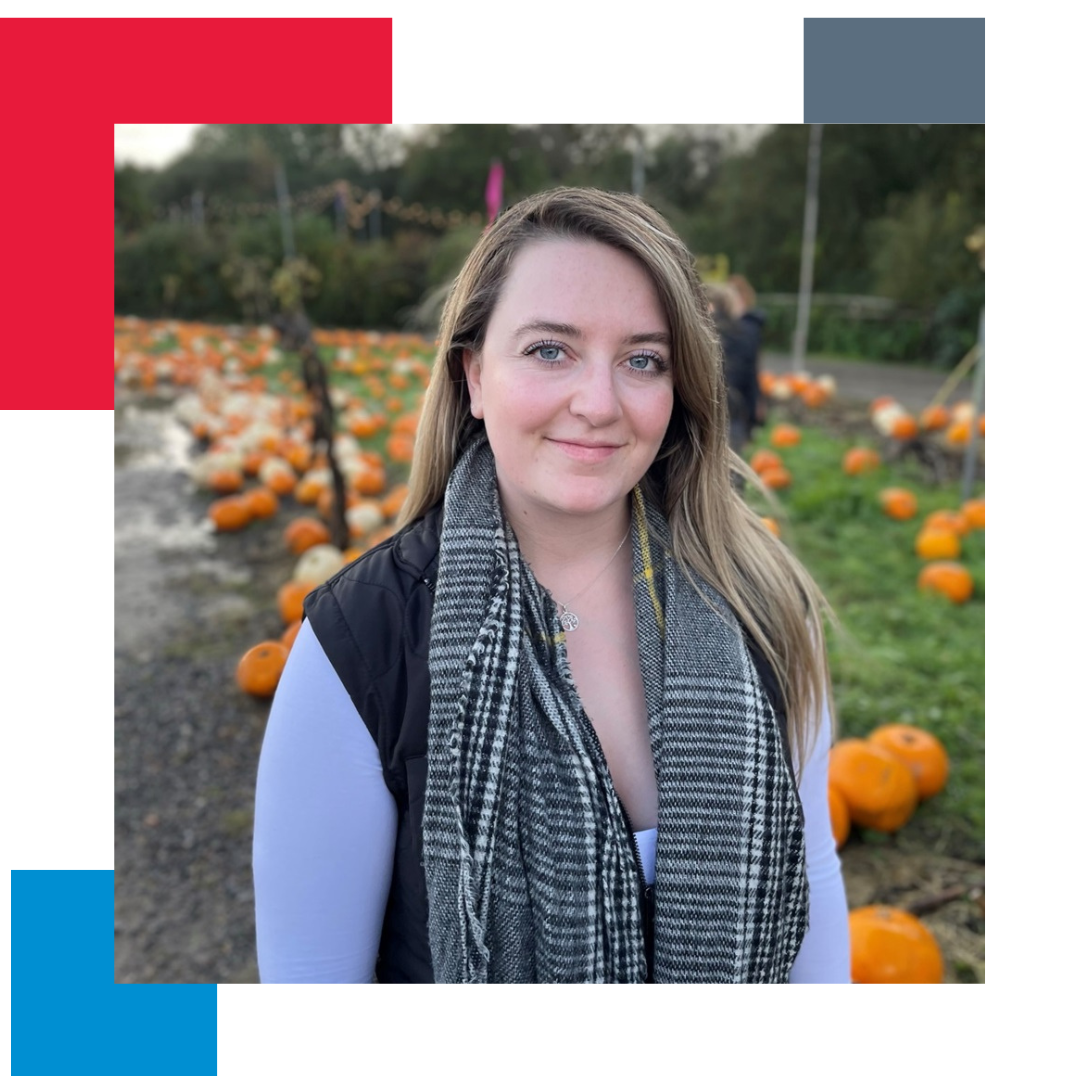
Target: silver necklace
[{"x": 567, "y": 619}]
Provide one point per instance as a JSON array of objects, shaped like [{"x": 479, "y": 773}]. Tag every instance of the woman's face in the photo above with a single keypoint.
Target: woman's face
[{"x": 574, "y": 380}]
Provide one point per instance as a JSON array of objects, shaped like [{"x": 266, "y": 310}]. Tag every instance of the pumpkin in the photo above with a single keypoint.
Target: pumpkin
[
  {"x": 878, "y": 787},
  {"x": 310, "y": 488},
  {"x": 880, "y": 403},
  {"x": 399, "y": 447},
  {"x": 261, "y": 502},
  {"x": 277, "y": 474},
  {"x": 958, "y": 433},
  {"x": 394, "y": 501},
  {"x": 937, "y": 543},
  {"x": 225, "y": 481},
  {"x": 904, "y": 427},
  {"x": 785, "y": 435},
  {"x": 369, "y": 479},
  {"x": 839, "y": 816},
  {"x": 772, "y": 525},
  {"x": 362, "y": 518},
  {"x": 947, "y": 519},
  {"x": 260, "y": 668},
  {"x": 899, "y": 503},
  {"x": 860, "y": 459},
  {"x": 291, "y": 631},
  {"x": 765, "y": 459},
  {"x": 230, "y": 513},
  {"x": 290, "y": 600},
  {"x": 814, "y": 396},
  {"x": 884, "y": 417},
  {"x": 934, "y": 418},
  {"x": 889, "y": 945},
  {"x": 974, "y": 511},
  {"x": 305, "y": 532},
  {"x": 920, "y": 751},
  {"x": 318, "y": 563},
  {"x": 775, "y": 477},
  {"x": 947, "y": 578}
]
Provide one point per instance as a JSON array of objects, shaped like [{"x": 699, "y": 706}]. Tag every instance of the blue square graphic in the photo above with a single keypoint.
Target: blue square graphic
[
  {"x": 68, "y": 1016},
  {"x": 894, "y": 71}
]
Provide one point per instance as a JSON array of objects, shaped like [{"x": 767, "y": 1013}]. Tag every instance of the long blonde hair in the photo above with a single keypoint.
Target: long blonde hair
[{"x": 713, "y": 531}]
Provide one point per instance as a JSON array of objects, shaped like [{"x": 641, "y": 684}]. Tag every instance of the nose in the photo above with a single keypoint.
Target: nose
[{"x": 595, "y": 396}]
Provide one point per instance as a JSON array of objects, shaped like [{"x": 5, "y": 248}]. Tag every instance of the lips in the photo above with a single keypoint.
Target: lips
[{"x": 581, "y": 450}]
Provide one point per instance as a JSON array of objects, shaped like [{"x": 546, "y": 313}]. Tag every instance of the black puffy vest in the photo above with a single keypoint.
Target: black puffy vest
[{"x": 373, "y": 621}]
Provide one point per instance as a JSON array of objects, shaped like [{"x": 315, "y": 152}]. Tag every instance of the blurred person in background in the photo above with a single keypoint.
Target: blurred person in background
[
  {"x": 570, "y": 723},
  {"x": 739, "y": 325}
]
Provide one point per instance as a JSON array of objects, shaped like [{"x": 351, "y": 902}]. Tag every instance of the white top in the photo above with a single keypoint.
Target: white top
[{"x": 326, "y": 825}]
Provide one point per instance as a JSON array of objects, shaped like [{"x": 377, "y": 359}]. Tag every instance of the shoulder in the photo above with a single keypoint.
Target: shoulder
[{"x": 369, "y": 605}]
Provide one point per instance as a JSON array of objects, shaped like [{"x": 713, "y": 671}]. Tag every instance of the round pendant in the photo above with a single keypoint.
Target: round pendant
[{"x": 568, "y": 620}]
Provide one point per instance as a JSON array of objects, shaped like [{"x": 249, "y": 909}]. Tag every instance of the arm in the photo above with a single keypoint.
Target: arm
[
  {"x": 325, "y": 827},
  {"x": 825, "y": 955}
]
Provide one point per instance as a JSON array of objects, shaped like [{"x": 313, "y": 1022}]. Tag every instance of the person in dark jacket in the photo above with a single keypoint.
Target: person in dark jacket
[
  {"x": 570, "y": 723},
  {"x": 739, "y": 327}
]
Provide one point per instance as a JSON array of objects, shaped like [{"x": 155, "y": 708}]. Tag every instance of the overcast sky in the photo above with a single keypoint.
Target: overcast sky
[
  {"x": 152, "y": 145},
  {"x": 155, "y": 145}
]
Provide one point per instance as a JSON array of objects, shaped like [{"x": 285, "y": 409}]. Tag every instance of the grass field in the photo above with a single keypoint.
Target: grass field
[{"x": 901, "y": 656}]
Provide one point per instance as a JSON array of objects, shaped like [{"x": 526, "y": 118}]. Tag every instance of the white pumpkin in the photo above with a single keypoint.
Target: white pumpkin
[{"x": 319, "y": 563}]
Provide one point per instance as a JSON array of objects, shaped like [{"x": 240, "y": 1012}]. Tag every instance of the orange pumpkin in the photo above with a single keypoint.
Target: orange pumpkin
[
  {"x": 785, "y": 435},
  {"x": 839, "y": 816},
  {"x": 814, "y": 396},
  {"x": 260, "y": 668},
  {"x": 878, "y": 788},
  {"x": 391, "y": 505},
  {"x": 937, "y": 543},
  {"x": 262, "y": 502},
  {"x": 860, "y": 459},
  {"x": 934, "y": 418},
  {"x": 775, "y": 477},
  {"x": 289, "y": 636},
  {"x": 230, "y": 513},
  {"x": 772, "y": 525},
  {"x": 765, "y": 459},
  {"x": 305, "y": 532},
  {"x": 290, "y": 600},
  {"x": 958, "y": 433},
  {"x": 892, "y": 946},
  {"x": 309, "y": 489},
  {"x": 974, "y": 511},
  {"x": 399, "y": 448},
  {"x": 949, "y": 579},
  {"x": 225, "y": 481},
  {"x": 904, "y": 427},
  {"x": 947, "y": 519},
  {"x": 920, "y": 751},
  {"x": 370, "y": 479},
  {"x": 899, "y": 503}
]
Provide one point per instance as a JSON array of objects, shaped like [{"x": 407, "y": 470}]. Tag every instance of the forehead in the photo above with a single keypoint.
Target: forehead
[{"x": 583, "y": 282}]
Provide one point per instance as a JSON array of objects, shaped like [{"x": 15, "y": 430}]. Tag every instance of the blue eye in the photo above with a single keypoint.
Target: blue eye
[
  {"x": 548, "y": 352},
  {"x": 640, "y": 362}
]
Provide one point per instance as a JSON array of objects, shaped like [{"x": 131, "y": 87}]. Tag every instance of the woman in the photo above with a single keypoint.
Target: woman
[{"x": 570, "y": 723}]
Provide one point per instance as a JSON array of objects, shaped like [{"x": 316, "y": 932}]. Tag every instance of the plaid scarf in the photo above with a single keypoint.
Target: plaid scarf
[{"x": 530, "y": 868}]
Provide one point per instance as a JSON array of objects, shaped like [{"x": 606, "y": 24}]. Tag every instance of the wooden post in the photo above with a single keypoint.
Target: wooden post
[{"x": 806, "y": 270}]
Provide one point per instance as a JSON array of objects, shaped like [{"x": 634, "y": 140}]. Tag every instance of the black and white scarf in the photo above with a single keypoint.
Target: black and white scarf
[{"x": 530, "y": 869}]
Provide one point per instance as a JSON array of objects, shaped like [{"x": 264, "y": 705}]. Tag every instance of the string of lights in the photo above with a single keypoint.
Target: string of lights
[{"x": 355, "y": 203}]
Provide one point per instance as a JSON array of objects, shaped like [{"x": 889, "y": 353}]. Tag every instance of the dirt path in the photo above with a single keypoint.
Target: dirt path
[{"x": 188, "y": 603}]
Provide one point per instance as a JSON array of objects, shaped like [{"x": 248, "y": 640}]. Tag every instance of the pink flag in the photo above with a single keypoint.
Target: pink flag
[{"x": 493, "y": 192}]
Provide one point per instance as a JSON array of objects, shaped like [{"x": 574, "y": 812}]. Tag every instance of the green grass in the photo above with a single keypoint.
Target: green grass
[{"x": 902, "y": 656}]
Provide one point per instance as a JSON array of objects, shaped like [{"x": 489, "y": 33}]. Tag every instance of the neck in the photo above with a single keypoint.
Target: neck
[{"x": 559, "y": 546}]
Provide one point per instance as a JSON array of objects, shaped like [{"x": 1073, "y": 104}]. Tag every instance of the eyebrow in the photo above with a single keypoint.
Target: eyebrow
[{"x": 649, "y": 337}]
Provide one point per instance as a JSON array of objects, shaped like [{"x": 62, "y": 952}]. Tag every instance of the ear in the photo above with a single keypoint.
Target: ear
[{"x": 470, "y": 361}]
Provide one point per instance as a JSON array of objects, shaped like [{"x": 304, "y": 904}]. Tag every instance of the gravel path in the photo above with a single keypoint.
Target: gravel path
[{"x": 188, "y": 603}]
